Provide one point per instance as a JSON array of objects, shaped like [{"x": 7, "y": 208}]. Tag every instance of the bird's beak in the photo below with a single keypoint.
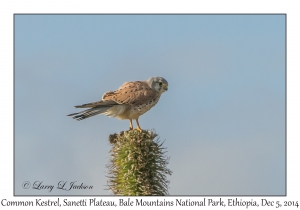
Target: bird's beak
[{"x": 166, "y": 88}]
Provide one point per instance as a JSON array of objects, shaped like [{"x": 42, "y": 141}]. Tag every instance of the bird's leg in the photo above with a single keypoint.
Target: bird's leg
[
  {"x": 130, "y": 127},
  {"x": 138, "y": 125}
]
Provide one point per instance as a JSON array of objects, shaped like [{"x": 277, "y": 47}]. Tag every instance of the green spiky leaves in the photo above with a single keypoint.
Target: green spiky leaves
[{"x": 138, "y": 164}]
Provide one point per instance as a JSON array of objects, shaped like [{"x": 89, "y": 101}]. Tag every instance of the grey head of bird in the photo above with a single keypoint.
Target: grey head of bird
[{"x": 158, "y": 84}]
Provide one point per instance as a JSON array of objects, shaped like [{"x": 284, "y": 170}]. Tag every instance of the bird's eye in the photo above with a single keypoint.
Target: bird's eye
[{"x": 160, "y": 84}]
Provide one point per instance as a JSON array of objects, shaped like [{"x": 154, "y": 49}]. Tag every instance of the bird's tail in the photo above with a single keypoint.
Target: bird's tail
[{"x": 89, "y": 112}]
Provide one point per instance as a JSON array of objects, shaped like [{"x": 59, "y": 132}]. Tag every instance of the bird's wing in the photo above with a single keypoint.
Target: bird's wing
[
  {"x": 132, "y": 93},
  {"x": 101, "y": 103}
]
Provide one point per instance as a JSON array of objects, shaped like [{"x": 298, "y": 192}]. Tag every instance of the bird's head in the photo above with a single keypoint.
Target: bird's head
[{"x": 158, "y": 83}]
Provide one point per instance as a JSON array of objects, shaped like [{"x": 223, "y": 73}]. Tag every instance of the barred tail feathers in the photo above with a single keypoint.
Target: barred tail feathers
[{"x": 89, "y": 113}]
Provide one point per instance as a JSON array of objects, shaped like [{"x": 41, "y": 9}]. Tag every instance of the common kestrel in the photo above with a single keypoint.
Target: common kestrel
[{"x": 130, "y": 101}]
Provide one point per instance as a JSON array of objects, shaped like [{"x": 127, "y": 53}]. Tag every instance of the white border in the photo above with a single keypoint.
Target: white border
[{"x": 8, "y": 8}]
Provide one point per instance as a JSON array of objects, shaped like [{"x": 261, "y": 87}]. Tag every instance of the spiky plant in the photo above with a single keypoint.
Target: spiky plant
[{"x": 138, "y": 164}]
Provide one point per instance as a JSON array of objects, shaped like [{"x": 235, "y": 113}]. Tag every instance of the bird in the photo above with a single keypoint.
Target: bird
[{"x": 130, "y": 101}]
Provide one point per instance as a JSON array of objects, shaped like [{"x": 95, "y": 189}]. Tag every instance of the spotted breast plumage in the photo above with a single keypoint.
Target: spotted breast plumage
[{"x": 130, "y": 101}]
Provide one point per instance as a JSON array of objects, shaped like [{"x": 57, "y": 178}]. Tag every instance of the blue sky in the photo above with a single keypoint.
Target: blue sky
[{"x": 222, "y": 119}]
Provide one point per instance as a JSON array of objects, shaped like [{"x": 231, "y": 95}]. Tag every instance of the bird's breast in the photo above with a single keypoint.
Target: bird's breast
[{"x": 139, "y": 109}]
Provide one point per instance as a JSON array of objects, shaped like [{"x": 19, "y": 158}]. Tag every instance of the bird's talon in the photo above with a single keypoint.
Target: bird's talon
[{"x": 139, "y": 129}]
